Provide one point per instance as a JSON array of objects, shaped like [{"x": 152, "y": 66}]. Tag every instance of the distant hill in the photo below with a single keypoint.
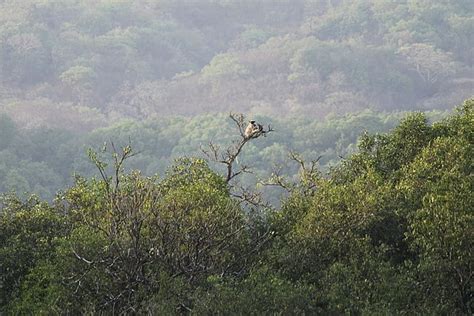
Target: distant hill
[{"x": 85, "y": 64}]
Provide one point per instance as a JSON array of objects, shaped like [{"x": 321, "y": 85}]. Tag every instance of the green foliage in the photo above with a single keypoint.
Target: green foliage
[
  {"x": 132, "y": 239},
  {"x": 390, "y": 231},
  {"x": 389, "y": 152},
  {"x": 367, "y": 284},
  {"x": 28, "y": 234},
  {"x": 262, "y": 292},
  {"x": 387, "y": 231},
  {"x": 438, "y": 185},
  {"x": 223, "y": 65}
]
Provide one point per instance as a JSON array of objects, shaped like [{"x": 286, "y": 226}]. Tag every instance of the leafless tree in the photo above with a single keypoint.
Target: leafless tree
[
  {"x": 228, "y": 157},
  {"x": 308, "y": 176}
]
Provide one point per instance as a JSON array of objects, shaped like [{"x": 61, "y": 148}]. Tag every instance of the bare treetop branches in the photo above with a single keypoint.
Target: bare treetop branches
[{"x": 228, "y": 156}]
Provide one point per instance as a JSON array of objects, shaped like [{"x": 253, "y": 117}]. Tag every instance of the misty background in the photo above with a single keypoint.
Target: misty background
[{"x": 165, "y": 75}]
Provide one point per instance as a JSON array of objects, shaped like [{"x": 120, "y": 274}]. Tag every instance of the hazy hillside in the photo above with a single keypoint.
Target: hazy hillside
[
  {"x": 84, "y": 64},
  {"x": 43, "y": 160}
]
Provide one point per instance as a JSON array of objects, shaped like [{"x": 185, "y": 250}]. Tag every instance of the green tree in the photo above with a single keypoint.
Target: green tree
[
  {"x": 437, "y": 187},
  {"x": 132, "y": 233},
  {"x": 29, "y": 230}
]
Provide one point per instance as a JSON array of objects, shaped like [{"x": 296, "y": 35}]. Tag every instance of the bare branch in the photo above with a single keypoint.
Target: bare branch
[
  {"x": 308, "y": 176},
  {"x": 246, "y": 195},
  {"x": 243, "y": 169},
  {"x": 213, "y": 151},
  {"x": 278, "y": 181},
  {"x": 80, "y": 257},
  {"x": 228, "y": 157},
  {"x": 296, "y": 157},
  {"x": 239, "y": 121}
]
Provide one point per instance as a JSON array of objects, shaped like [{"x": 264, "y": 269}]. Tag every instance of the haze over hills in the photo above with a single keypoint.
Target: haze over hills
[{"x": 79, "y": 65}]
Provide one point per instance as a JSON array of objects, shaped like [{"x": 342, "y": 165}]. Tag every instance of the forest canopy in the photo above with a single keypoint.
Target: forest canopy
[{"x": 387, "y": 231}]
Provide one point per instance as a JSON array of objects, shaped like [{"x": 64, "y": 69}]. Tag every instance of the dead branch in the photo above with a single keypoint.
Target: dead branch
[
  {"x": 278, "y": 180},
  {"x": 308, "y": 176},
  {"x": 80, "y": 257},
  {"x": 230, "y": 154}
]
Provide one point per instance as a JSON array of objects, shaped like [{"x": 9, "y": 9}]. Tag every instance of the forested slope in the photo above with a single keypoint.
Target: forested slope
[
  {"x": 84, "y": 64},
  {"x": 388, "y": 231},
  {"x": 43, "y": 160},
  {"x": 163, "y": 74}
]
